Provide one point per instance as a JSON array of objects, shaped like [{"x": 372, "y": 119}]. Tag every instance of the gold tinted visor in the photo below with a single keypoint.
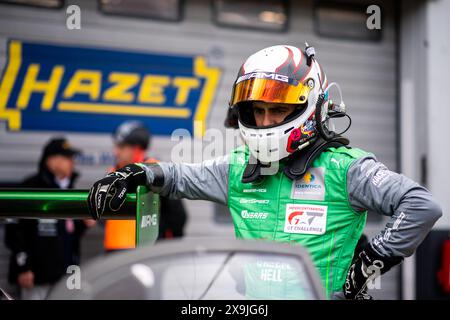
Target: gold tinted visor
[{"x": 269, "y": 90}]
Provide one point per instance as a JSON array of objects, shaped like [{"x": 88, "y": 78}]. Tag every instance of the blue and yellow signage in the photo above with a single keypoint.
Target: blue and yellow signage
[{"x": 63, "y": 88}]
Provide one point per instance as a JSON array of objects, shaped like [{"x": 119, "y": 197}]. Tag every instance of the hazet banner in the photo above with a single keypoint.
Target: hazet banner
[{"x": 65, "y": 88}]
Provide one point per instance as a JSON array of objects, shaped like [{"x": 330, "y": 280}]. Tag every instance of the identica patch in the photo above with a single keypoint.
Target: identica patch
[
  {"x": 306, "y": 219},
  {"x": 311, "y": 186}
]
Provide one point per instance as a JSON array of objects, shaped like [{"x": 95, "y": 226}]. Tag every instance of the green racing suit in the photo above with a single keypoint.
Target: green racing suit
[{"x": 325, "y": 211}]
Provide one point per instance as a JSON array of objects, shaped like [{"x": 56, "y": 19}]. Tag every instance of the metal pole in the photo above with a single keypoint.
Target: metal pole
[{"x": 56, "y": 204}]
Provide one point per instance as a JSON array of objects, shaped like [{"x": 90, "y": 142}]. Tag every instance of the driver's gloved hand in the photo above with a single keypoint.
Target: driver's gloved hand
[
  {"x": 111, "y": 191},
  {"x": 364, "y": 269}
]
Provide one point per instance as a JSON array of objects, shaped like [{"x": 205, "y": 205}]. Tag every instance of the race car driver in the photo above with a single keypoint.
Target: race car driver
[{"x": 295, "y": 180}]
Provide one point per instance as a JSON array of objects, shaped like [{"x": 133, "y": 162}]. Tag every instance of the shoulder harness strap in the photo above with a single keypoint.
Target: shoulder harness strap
[{"x": 298, "y": 162}]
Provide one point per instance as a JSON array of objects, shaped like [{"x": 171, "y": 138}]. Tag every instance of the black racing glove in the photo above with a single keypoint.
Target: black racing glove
[
  {"x": 111, "y": 191},
  {"x": 364, "y": 269}
]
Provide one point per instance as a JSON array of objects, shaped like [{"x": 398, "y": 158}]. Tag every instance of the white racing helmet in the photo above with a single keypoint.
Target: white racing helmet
[{"x": 279, "y": 74}]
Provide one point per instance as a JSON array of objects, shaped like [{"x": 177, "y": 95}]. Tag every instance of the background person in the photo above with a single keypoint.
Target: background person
[
  {"x": 42, "y": 249},
  {"x": 131, "y": 141}
]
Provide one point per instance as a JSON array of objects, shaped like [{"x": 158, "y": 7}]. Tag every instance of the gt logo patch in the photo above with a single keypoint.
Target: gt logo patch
[{"x": 306, "y": 219}]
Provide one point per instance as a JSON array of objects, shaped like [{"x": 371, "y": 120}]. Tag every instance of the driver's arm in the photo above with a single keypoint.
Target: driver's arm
[
  {"x": 207, "y": 180},
  {"x": 412, "y": 210},
  {"x": 411, "y": 207}
]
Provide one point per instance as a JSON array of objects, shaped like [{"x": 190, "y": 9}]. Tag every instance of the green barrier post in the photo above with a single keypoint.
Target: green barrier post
[
  {"x": 147, "y": 216},
  {"x": 72, "y": 204}
]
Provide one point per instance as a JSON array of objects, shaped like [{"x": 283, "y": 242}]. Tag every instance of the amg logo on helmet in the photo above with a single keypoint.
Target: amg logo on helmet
[{"x": 263, "y": 75}]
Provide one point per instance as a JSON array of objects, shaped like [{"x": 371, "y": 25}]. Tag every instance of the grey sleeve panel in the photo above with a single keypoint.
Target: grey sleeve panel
[
  {"x": 207, "y": 180},
  {"x": 413, "y": 211}
]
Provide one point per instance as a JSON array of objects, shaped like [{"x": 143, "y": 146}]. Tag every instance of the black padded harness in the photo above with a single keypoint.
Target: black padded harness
[{"x": 297, "y": 163}]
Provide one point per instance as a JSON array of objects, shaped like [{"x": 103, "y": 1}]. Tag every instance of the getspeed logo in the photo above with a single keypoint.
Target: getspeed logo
[
  {"x": 68, "y": 88},
  {"x": 253, "y": 201}
]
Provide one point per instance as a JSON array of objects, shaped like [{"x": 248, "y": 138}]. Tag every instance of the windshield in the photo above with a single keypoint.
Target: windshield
[{"x": 212, "y": 275}]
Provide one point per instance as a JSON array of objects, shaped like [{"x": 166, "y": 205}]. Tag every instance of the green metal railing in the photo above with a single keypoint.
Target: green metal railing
[{"x": 143, "y": 206}]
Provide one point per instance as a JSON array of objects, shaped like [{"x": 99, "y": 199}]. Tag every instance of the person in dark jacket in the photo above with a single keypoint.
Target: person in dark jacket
[{"x": 42, "y": 249}]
